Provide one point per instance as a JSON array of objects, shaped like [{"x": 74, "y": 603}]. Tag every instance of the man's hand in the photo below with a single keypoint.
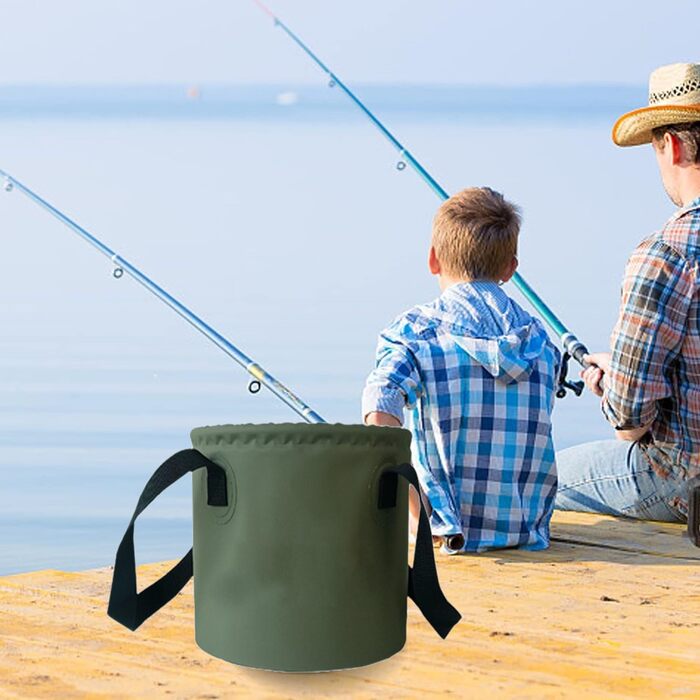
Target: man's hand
[{"x": 593, "y": 376}]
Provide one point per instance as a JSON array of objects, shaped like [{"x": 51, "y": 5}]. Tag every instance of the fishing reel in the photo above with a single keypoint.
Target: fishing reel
[{"x": 564, "y": 385}]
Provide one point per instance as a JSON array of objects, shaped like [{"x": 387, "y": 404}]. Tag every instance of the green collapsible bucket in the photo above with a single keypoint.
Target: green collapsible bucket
[{"x": 300, "y": 554}]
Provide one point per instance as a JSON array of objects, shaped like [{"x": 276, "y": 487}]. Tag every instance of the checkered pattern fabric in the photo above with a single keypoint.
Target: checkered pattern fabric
[
  {"x": 654, "y": 375},
  {"x": 476, "y": 374}
]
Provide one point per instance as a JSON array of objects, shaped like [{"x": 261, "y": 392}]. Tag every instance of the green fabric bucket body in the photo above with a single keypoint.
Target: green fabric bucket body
[{"x": 302, "y": 571}]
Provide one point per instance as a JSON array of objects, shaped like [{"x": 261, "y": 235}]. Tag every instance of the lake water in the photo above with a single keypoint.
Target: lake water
[{"x": 277, "y": 214}]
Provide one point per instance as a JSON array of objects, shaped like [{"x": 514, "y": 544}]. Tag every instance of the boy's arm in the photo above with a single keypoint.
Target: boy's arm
[
  {"x": 381, "y": 418},
  {"x": 392, "y": 385}
]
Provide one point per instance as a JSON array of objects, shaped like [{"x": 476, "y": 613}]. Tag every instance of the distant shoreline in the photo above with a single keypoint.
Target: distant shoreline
[{"x": 288, "y": 102}]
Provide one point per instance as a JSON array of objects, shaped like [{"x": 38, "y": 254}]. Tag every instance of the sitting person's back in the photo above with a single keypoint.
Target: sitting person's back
[{"x": 477, "y": 374}]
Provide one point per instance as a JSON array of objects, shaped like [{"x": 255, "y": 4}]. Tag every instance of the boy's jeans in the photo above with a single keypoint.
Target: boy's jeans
[{"x": 614, "y": 478}]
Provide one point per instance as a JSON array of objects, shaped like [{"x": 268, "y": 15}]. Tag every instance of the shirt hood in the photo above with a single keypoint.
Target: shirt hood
[
  {"x": 510, "y": 357},
  {"x": 497, "y": 334}
]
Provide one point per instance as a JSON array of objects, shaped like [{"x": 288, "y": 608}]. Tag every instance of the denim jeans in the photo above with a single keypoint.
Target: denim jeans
[{"x": 614, "y": 478}]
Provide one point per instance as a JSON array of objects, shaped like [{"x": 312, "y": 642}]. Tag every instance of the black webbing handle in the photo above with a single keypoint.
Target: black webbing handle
[
  {"x": 694, "y": 510},
  {"x": 423, "y": 584},
  {"x": 126, "y": 605}
]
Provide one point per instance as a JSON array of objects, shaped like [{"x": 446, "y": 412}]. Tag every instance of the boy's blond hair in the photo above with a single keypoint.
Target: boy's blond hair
[{"x": 475, "y": 234}]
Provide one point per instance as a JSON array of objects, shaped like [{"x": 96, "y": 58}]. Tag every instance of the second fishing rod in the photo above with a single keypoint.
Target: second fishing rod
[
  {"x": 571, "y": 344},
  {"x": 261, "y": 377}
]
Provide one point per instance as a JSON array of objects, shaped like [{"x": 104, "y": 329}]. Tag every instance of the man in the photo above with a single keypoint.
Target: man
[{"x": 650, "y": 381}]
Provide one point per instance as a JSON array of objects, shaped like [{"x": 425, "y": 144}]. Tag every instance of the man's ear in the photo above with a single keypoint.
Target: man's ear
[
  {"x": 510, "y": 269},
  {"x": 674, "y": 143},
  {"x": 433, "y": 262}
]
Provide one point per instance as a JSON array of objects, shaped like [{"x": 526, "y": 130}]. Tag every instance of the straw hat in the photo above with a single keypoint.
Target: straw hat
[{"x": 674, "y": 98}]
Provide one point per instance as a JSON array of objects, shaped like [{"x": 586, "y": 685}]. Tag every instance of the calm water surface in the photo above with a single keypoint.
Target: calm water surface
[{"x": 293, "y": 234}]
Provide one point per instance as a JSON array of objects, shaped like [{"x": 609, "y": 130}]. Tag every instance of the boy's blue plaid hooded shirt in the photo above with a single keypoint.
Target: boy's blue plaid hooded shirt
[{"x": 477, "y": 374}]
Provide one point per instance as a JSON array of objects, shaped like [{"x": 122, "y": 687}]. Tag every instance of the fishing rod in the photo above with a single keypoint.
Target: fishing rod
[
  {"x": 260, "y": 376},
  {"x": 572, "y": 345}
]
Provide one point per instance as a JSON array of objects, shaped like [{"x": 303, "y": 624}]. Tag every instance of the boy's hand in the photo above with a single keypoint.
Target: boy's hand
[
  {"x": 593, "y": 376},
  {"x": 379, "y": 418}
]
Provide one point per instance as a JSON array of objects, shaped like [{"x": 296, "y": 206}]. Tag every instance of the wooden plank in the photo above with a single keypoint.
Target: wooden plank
[
  {"x": 576, "y": 620},
  {"x": 661, "y": 539}
]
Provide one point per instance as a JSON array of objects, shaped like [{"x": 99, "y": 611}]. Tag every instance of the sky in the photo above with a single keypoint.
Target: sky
[{"x": 445, "y": 41}]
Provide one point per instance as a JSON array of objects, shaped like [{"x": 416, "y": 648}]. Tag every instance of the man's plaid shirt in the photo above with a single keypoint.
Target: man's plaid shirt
[
  {"x": 654, "y": 375},
  {"x": 477, "y": 375}
]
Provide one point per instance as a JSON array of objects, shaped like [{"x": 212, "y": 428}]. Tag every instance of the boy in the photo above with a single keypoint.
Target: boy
[{"x": 477, "y": 374}]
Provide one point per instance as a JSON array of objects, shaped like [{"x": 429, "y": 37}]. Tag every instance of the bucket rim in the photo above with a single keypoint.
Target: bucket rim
[{"x": 300, "y": 433}]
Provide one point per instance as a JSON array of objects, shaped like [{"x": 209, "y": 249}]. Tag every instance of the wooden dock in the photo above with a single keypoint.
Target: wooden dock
[{"x": 612, "y": 610}]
